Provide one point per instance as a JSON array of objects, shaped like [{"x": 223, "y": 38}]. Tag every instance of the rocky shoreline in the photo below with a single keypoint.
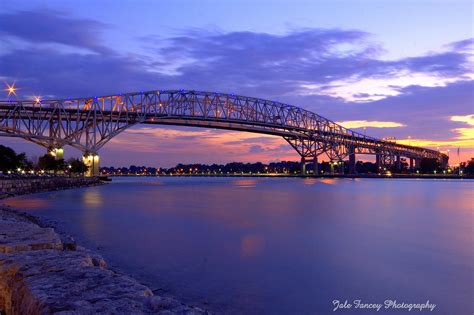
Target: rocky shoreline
[
  {"x": 46, "y": 272},
  {"x": 27, "y": 185}
]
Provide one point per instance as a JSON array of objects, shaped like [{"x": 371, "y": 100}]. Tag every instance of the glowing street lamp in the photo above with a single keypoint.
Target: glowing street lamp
[
  {"x": 37, "y": 100},
  {"x": 11, "y": 89}
]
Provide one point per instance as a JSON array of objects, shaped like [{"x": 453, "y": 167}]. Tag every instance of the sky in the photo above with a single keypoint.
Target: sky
[{"x": 400, "y": 69}]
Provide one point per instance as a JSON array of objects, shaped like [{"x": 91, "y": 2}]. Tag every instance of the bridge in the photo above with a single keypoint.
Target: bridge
[{"x": 89, "y": 123}]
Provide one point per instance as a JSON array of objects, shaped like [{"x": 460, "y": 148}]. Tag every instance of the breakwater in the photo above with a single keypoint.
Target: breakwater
[{"x": 21, "y": 186}]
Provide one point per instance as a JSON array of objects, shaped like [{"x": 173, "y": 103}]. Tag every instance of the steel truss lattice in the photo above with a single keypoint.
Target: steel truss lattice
[{"x": 89, "y": 123}]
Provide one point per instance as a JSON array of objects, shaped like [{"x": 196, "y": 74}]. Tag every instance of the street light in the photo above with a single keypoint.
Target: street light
[{"x": 11, "y": 89}]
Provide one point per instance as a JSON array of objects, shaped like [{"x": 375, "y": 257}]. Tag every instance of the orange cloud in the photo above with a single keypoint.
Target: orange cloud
[
  {"x": 468, "y": 119},
  {"x": 188, "y": 145},
  {"x": 465, "y": 133},
  {"x": 456, "y": 143},
  {"x": 450, "y": 147},
  {"x": 366, "y": 123}
]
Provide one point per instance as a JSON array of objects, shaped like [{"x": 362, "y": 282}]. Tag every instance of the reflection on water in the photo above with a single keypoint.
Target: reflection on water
[
  {"x": 279, "y": 245},
  {"x": 30, "y": 203},
  {"x": 251, "y": 245},
  {"x": 92, "y": 198},
  {"x": 328, "y": 181},
  {"x": 245, "y": 183}
]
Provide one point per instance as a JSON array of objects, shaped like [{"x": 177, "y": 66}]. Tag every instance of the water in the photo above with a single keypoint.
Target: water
[{"x": 279, "y": 245}]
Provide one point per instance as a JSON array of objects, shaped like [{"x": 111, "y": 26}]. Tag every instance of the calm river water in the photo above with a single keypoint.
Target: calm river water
[{"x": 279, "y": 245}]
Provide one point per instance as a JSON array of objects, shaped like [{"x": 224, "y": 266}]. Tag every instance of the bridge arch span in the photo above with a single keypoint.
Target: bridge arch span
[{"x": 89, "y": 123}]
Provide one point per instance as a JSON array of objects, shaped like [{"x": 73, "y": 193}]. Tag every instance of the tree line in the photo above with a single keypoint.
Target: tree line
[
  {"x": 427, "y": 166},
  {"x": 13, "y": 162}
]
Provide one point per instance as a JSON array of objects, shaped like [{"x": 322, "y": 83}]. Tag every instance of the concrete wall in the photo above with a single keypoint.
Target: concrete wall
[{"x": 20, "y": 186}]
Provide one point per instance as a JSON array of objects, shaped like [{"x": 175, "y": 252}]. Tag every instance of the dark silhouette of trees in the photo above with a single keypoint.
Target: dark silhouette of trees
[
  {"x": 468, "y": 167},
  {"x": 48, "y": 162},
  {"x": 10, "y": 161},
  {"x": 366, "y": 167},
  {"x": 77, "y": 166},
  {"x": 429, "y": 165}
]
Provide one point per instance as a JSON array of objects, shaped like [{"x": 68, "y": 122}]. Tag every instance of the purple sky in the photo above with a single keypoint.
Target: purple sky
[{"x": 399, "y": 69}]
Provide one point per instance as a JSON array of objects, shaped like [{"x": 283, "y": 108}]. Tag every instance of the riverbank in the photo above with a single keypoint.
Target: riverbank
[
  {"x": 26, "y": 185},
  {"x": 43, "y": 272}
]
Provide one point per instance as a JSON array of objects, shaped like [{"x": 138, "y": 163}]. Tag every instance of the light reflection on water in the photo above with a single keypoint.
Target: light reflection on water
[
  {"x": 245, "y": 183},
  {"x": 279, "y": 245},
  {"x": 30, "y": 203}
]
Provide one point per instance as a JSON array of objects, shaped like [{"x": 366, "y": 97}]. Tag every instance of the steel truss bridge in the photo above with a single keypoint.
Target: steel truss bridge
[{"x": 89, "y": 123}]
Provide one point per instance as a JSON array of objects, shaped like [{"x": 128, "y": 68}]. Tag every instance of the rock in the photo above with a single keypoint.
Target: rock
[
  {"x": 27, "y": 185},
  {"x": 39, "y": 274},
  {"x": 69, "y": 243},
  {"x": 24, "y": 236}
]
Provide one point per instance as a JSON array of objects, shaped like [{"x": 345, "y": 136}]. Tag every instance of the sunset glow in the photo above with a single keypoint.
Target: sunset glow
[
  {"x": 353, "y": 124},
  {"x": 359, "y": 74}
]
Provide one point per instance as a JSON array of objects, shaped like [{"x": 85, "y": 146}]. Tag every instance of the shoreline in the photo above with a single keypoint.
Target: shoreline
[
  {"x": 405, "y": 176},
  {"x": 43, "y": 270},
  {"x": 11, "y": 187}
]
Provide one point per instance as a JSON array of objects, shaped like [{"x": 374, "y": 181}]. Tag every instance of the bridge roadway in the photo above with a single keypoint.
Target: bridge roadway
[{"x": 89, "y": 123}]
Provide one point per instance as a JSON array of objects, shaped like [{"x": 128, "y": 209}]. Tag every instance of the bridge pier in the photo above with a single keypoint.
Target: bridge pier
[
  {"x": 417, "y": 163},
  {"x": 58, "y": 153},
  {"x": 303, "y": 166},
  {"x": 315, "y": 166},
  {"x": 91, "y": 160},
  {"x": 352, "y": 161},
  {"x": 444, "y": 163},
  {"x": 378, "y": 163},
  {"x": 411, "y": 164},
  {"x": 398, "y": 163}
]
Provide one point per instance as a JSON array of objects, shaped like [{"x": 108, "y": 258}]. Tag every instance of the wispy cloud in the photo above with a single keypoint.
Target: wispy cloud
[
  {"x": 49, "y": 26},
  {"x": 465, "y": 134},
  {"x": 353, "y": 124},
  {"x": 441, "y": 144},
  {"x": 468, "y": 119}
]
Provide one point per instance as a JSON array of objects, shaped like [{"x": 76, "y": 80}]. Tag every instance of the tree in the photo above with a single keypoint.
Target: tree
[
  {"x": 366, "y": 167},
  {"x": 9, "y": 160},
  {"x": 49, "y": 163},
  {"x": 429, "y": 165},
  {"x": 77, "y": 166},
  {"x": 469, "y": 167}
]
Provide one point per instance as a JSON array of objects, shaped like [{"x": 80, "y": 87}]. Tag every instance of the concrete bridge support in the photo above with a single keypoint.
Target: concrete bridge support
[
  {"x": 352, "y": 161},
  {"x": 444, "y": 163},
  {"x": 315, "y": 166},
  {"x": 378, "y": 162},
  {"x": 417, "y": 163},
  {"x": 411, "y": 164},
  {"x": 91, "y": 160},
  {"x": 303, "y": 166},
  {"x": 398, "y": 163},
  {"x": 58, "y": 153}
]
